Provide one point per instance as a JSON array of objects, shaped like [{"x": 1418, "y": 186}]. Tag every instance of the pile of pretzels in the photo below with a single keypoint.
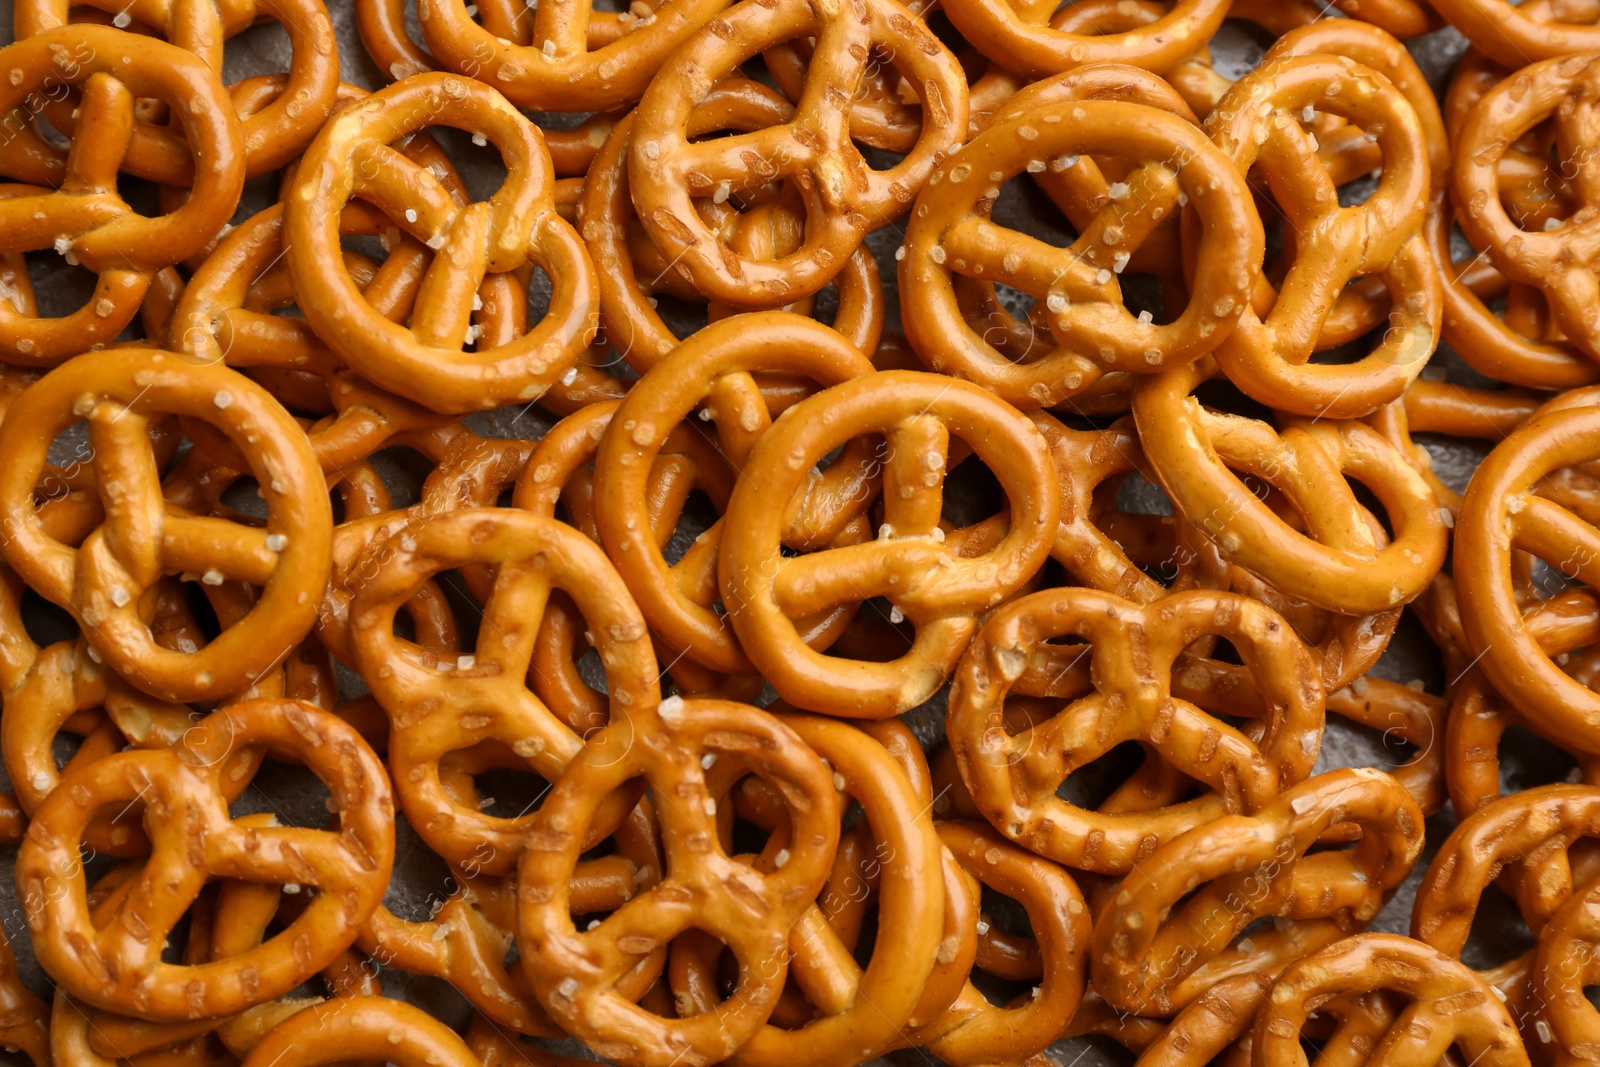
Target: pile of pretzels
[{"x": 795, "y": 655}]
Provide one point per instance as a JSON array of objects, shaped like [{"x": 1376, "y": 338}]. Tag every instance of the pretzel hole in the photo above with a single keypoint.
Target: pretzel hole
[
  {"x": 45, "y": 622},
  {"x": 1088, "y": 786},
  {"x": 265, "y": 48}
]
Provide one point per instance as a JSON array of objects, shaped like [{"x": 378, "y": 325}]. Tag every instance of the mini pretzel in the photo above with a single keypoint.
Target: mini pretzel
[
  {"x": 1018, "y": 36},
  {"x": 1014, "y": 777},
  {"x": 102, "y": 582},
  {"x": 1149, "y": 962},
  {"x": 1449, "y": 1006},
  {"x": 487, "y": 704},
  {"x": 606, "y": 216},
  {"x": 750, "y": 909},
  {"x": 844, "y": 197},
  {"x": 862, "y": 1011},
  {"x": 1559, "y": 262},
  {"x": 1339, "y": 566},
  {"x": 1256, "y": 125},
  {"x": 118, "y": 966},
  {"x": 352, "y": 158},
  {"x": 341, "y": 1031},
  {"x": 1500, "y": 514},
  {"x": 276, "y": 129},
  {"x": 941, "y": 588},
  {"x": 86, "y": 218},
  {"x": 950, "y": 239}
]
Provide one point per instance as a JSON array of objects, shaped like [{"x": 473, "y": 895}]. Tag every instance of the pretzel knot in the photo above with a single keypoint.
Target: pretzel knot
[
  {"x": 116, "y": 964},
  {"x": 352, "y": 158},
  {"x": 85, "y": 217},
  {"x": 1508, "y": 509},
  {"x": 1135, "y": 654},
  {"x": 104, "y": 580},
  {"x": 1562, "y": 260},
  {"x": 1339, "y": 560},
  {"x": 1449, "y": 1007},
  {"x": 1153, "y": 956},
  {"x": 1258, "y": 125},
  {"x": 446, "y": 708},
  {"x": 361, "y": 1028},
  {"x": 844, "y": 197},
  {"x": 939, "y": 587},
  {"x": 951, "y": 239},
  {"x": 748, "y": 908}
]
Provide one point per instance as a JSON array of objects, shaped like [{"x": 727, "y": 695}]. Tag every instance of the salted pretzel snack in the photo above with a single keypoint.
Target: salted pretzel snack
[
  {"x": 84, "y": 217},
  {"x": 1269, "y": 359},
  {"x": 939, "y": 586},
  {"x": 950, "y": 238},
  {"x": 352, "y": 158},
  {"x": 844, "y": 196},
  {"x": 118, "y": 965},
  {"x": 1152, "y": 962},
  {"x": 748, "y": 908},
  {"x": 1448, "y": 1005},
  {"x": 1014, "y": 777},
  {"x": 441, "y": 706},
  {"x": 104, "y": 580},
  {"x": 1338, "y": 563}
]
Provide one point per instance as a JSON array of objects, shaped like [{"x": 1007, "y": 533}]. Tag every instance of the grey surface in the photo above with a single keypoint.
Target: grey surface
[{"x": 421, "y": 879}]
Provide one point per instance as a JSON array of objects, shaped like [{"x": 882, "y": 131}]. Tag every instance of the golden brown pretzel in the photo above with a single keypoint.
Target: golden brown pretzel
[
  {"x": 338, "y": 1031},
  {"x": 111, "y": 966},
  {"x": 353, "y": 157},
  {"x": 1449, "y": 1006},
  {"x": 940, "y": 586},
  {"x": 749, "y": 908},
  {"x": 1153, "y": 955},
  {"x": 477, "y": 706},
  {"x": 1339, "y": 563},
  {"x": 1255, "y": 126},
  {"x": 104, "y": 580},
  {"x": 844, "y": 196},
  {"x": 83, "y": 216},
  {"x": 1135, "y": 650}
]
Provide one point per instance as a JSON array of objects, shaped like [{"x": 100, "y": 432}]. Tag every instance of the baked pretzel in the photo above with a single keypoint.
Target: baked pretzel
[
  {"x": 1255, "y": 127},
  {"x": 607, "y": 220},
  {"x": 950, "y": 239},
  {"x": 1567, "y": 1025},
  {"x": 352, "y": 158},
  {"x": 1449, "y": 1005},
  {"x": 1340, "y": 562},
  {"x": 117, "y": 965},
  {"x": 276, "y": 123},
  {"x": 477, "y": 706},
  {"x": 1558, "y": 261},
  {"x": 749, "y": 908},
  {"x": 84, "y": 217},
  {"x": 1503, "y": 512},
  {"x": 104, "y": 580},
  {"x": 1135, "y": 652},
  {"x": 844, "y": 197},
  {"x": 940, "y": 586},
  {"x": 1151, "y": 962}
]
